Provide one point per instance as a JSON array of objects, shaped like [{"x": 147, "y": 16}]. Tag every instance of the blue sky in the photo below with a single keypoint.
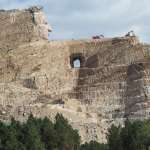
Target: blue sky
[{"x": 73, "y": 19}]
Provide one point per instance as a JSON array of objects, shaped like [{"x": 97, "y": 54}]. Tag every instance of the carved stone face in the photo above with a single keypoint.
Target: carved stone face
[{"x": 43, "y": 27}]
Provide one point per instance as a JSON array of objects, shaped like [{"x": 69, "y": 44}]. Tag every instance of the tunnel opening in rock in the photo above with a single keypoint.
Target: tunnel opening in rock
[
  {"x": 76, "y": 63},
  {"x": 76, "y": 60}
]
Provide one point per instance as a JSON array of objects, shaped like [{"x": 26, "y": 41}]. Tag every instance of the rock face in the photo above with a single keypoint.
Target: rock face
[
  {"x": 39, "y": 76},
  {"x": 22, "y": 26}
]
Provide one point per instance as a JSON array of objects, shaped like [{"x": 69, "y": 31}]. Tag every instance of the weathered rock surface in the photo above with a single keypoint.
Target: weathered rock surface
[{"x": 37, "y": 76}]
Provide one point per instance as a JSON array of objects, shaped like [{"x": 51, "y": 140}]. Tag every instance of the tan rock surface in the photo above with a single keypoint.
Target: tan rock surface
[{"x": 37, "y": 76}]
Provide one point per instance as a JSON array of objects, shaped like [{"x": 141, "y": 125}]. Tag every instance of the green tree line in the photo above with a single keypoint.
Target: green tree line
[
  {"x": 43, "y": 134},
  {"x": 133, "y": 136}
]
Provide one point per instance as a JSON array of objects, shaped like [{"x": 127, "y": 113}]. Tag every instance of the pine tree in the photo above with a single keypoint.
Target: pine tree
[
  {"x": 114, "y": 140},
  {"x": 68, "y": 138},
  {"x": 48, "y": 134},
  {"x": 32, "y": 138}
]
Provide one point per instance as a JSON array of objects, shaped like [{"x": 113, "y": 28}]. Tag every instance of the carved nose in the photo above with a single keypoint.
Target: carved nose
[{"x": 49, "y": 28}]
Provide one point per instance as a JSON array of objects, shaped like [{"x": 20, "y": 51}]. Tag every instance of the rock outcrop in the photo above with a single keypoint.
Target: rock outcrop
[{"x": 38, "y": 76}]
